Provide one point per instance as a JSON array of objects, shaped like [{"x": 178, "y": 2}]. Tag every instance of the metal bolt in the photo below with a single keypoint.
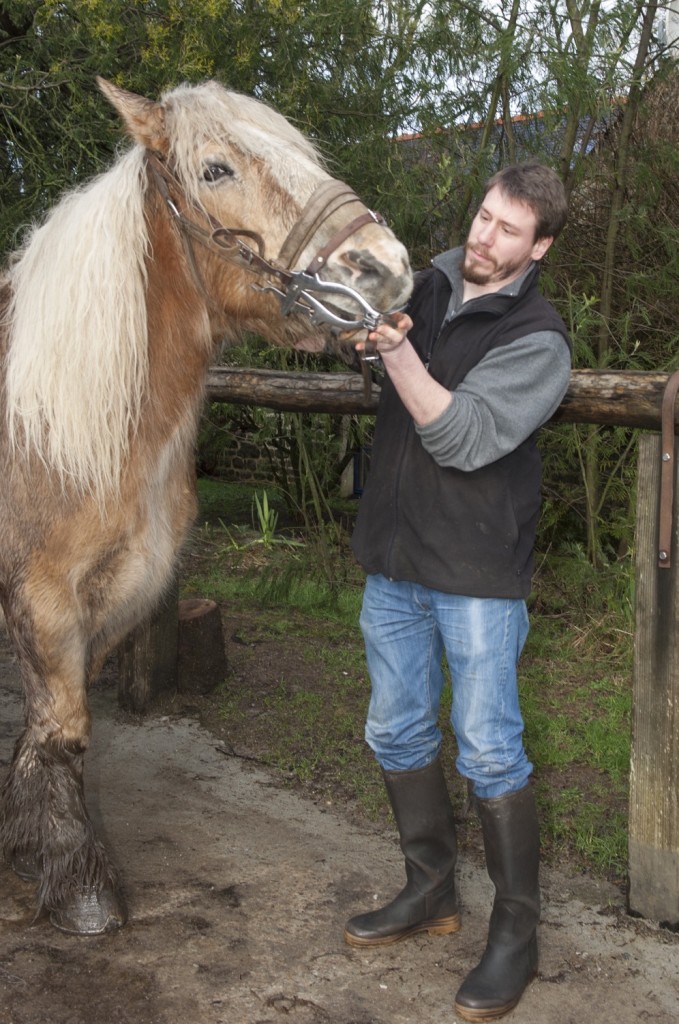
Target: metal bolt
[
  {"x": 662, "y": 555},
  {"x": 666, "y": 456}
]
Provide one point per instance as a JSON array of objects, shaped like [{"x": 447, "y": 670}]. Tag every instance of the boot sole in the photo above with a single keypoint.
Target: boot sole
[
  {"x": 441, "y": 926},
  {"x": 479, "y": 1015}
]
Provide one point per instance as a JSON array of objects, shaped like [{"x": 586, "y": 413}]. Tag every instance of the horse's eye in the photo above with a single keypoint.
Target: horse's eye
[{"x": 215, "y": 172}]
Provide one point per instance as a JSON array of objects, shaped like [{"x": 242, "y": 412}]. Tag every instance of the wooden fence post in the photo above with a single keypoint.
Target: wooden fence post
[{"x": 654, "y": 775}]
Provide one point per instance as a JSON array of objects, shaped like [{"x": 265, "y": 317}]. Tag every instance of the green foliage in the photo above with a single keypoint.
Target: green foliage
[{"x": 267, "y": 518}]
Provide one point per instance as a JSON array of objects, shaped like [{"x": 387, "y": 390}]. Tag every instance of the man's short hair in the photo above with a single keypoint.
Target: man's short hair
[{"x": 540, "y": 188}]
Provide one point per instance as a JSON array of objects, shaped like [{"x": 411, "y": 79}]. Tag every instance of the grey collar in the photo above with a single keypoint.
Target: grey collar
[{"x": 450, "y": 264}]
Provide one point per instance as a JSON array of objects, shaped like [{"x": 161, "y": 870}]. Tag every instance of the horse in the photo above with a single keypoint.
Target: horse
[{"x": 111, "y": 311}]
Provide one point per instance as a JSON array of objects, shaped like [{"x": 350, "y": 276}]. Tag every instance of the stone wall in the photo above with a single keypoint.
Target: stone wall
[
  {"x": 244, "y": 459},
  {"x": 230, "y": 446}
]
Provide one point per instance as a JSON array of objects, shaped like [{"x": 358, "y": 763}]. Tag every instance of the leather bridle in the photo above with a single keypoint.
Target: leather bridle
[{"x": 298, "y": 290}]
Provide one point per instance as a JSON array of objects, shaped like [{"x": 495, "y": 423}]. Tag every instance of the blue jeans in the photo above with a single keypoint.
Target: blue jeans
[{"x": 407, "y": 628}]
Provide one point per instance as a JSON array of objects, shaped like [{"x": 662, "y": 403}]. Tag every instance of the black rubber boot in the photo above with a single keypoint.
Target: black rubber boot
[
  {"x": 512, "y": 843},
  {"x": 424, "y": 816}
]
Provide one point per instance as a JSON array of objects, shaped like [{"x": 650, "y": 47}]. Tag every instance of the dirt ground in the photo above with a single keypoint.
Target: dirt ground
[{"x": 238, "y": 890}]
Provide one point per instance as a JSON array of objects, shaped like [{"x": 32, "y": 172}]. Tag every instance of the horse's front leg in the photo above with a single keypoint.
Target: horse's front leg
[{"x": 46, "y": 830}]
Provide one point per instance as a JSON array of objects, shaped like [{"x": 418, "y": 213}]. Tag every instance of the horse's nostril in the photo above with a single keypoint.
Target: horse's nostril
[{"x": 361, "y": 260}]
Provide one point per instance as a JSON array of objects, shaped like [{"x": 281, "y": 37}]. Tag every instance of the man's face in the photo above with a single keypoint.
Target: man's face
[{"x": 501, "y": 242}]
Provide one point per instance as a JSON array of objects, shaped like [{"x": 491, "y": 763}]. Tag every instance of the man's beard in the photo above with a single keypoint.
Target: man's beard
[{"x": 482, "y": 274}]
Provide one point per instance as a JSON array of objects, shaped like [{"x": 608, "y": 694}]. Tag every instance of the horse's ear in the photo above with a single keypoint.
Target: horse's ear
[{"x": 144, "y": 119}]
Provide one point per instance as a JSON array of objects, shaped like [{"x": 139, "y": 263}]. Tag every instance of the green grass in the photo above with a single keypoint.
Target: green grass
[
  {"x": 230, "y": 503},
  {"x": 576, "y": 691},
  {"x": 575, "y": 678}
]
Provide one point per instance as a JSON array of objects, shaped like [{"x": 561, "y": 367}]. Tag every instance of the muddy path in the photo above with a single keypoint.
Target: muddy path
[{"x": 238, "y": 890}]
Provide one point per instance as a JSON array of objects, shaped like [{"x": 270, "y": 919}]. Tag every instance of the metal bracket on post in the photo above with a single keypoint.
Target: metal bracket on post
[{"x": 667, "y": 472}]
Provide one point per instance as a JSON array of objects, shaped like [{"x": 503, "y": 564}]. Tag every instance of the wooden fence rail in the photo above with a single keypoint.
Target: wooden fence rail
[{"x": 628, "y": 399}]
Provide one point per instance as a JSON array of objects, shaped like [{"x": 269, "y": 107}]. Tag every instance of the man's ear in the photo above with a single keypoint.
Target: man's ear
[{"x": 541, "y": 247}]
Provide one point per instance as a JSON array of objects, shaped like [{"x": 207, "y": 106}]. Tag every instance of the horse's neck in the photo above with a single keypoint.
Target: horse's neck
[{"x": 180, "y": 342}]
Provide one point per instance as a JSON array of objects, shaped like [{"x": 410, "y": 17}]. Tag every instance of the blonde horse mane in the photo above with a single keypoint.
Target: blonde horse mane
[
  {"x": 77, "y": 357},
  {"x": 77, "y": 362}
]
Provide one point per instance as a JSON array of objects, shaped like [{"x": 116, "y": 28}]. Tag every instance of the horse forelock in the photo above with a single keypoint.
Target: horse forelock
[
  {"x": 210, "y": 115},
  {"x": 77, "y": 334}
]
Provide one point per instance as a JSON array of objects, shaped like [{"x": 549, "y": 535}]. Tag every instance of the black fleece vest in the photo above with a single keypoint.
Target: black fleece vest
[{"x": 468, "y": 533}]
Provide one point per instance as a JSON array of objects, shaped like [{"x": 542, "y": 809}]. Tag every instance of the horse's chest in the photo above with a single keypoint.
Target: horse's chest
[
  {"x": 168, "y": 498},
  {"x": 162, "y": 506}
]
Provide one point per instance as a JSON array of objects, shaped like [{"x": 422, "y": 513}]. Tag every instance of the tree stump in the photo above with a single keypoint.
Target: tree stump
[
  {"x": 147, "y": 658},
  {"x": 201, "y": 654}
]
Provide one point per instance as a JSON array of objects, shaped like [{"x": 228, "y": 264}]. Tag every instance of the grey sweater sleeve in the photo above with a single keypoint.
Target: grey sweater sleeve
[{"x": 501, "y": 401}]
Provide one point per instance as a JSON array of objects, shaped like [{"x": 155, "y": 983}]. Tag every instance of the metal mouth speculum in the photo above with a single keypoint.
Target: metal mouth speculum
[{"x": 298, "y": 297}]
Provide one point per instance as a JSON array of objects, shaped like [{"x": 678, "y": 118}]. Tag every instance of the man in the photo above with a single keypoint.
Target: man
[{"x": 445, "y": 531}]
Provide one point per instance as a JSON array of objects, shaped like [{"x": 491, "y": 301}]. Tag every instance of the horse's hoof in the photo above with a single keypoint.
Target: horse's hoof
[
  {"x": 26, "y": 866},
  {"x": 90, "y": 912}
]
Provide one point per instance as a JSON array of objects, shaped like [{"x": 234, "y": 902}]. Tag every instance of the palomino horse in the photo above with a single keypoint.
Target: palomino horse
[{"x": 109, "y": 317}]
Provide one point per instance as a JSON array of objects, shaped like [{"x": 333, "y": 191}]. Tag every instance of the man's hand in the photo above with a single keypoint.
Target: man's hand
[
  {"x": 424, "y": 398},
  {"x": 388, "y": 335}
]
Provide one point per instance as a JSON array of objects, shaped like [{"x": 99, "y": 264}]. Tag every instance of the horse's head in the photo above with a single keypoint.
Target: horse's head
[{"x": 245, "y": 187}]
